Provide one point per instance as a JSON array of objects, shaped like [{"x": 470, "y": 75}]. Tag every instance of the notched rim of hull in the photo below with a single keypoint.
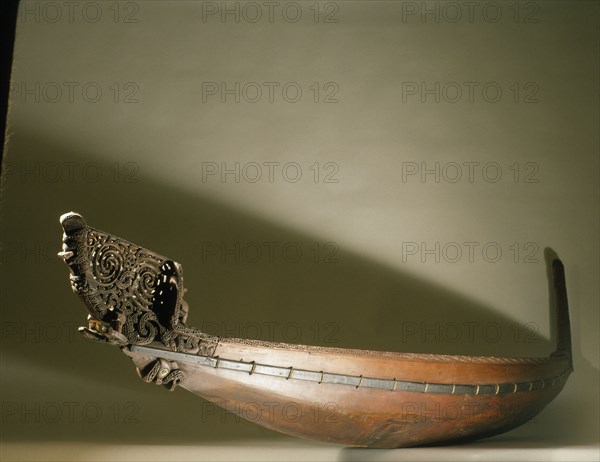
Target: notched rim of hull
[{"x": 287, "y": 373}]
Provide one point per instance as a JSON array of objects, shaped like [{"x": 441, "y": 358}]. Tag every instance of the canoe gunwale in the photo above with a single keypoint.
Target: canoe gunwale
[{"x": 381, "y": 383}]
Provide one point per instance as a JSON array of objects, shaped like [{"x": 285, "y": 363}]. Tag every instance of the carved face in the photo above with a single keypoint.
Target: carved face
[{"x": 131, "y": 293}]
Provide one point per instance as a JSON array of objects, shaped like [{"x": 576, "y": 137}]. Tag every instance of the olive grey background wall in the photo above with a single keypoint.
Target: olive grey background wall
[{"x": 419, "y": 156}]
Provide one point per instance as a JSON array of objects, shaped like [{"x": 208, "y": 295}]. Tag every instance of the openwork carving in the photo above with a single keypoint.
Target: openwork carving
[{"x": 134, "y": 296}]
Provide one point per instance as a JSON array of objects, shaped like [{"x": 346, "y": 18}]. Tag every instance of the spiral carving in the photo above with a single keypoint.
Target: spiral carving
[
  {"x": 145, "y": 330},
  {"x": 107, "y": 264},
  {"x": 147, "y": 277}
]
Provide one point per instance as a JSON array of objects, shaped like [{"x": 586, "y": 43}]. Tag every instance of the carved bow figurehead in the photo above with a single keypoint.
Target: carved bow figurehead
[{"x": 134, "y": 296}]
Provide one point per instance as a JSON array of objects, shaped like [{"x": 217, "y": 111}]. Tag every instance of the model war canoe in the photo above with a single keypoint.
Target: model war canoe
[{"x": 345, "y": 396}]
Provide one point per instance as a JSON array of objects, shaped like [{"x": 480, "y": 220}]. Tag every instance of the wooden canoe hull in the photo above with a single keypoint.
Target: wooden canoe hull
[
  {"x": 350, "y": 397},
  {"x": 369, "y": 417}
]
